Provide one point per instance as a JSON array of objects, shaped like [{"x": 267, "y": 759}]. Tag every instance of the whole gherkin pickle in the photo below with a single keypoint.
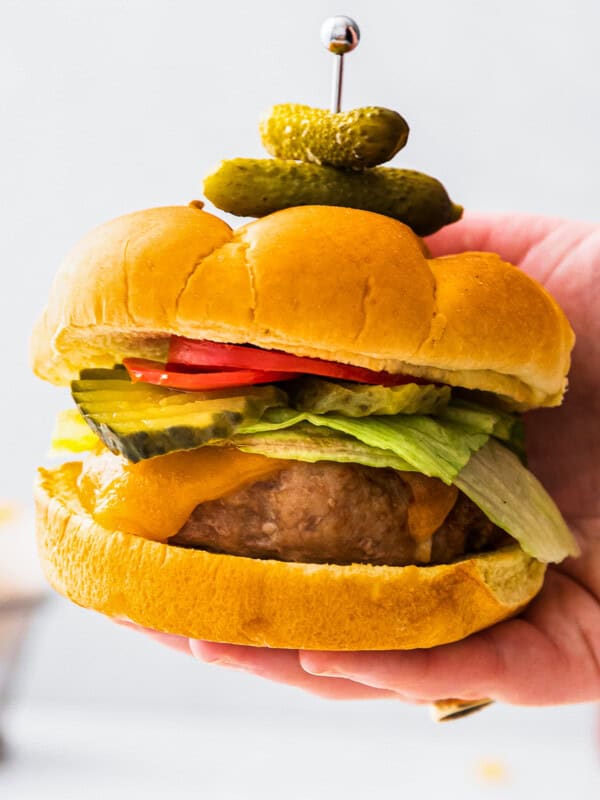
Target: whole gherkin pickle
[
  {"x": 252, "y": 187},
  {"x": 363, "y": 137}
]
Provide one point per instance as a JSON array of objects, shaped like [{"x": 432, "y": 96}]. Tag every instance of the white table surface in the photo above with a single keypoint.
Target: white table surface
[{"x": 63, "y": 753}]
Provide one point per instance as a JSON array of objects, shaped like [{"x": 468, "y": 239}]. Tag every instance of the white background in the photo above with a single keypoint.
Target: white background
[{"x": 107, "y": 107}]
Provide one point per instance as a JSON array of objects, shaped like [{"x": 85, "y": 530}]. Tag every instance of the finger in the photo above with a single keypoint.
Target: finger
[
  {"x": 283, "y": 666},
  {"x": 519, "y": 661},
  {"x": 423, "y": 674},
  {"x": 171, "y": 640},
  {"x": 510, "y": 235}
]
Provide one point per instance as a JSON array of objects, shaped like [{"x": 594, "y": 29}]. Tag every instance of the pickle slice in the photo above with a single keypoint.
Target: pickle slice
[
  {"x": 362, "y": 400},
  {"x": 142, "y": 421},
  {"x": 362, "y": 137},
  {"x": 250, "y": 187}
]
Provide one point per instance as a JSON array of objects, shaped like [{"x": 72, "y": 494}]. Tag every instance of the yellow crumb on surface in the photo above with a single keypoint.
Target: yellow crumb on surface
[
  {"x": 8, "y": 512},
  {"x": 492, "y": 771}
]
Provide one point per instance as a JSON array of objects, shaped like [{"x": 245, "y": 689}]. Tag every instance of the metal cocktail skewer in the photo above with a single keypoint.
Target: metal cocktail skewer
[{"x": 340, "y": 35}]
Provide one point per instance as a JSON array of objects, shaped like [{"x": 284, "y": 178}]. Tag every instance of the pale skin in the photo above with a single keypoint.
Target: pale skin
[{"x": 550, "y": 653}]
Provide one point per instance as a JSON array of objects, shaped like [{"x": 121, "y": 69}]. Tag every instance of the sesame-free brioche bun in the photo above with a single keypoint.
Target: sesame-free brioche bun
[
  {"x": 249, "y": 601},
  {"x": 333, "y": 283}
]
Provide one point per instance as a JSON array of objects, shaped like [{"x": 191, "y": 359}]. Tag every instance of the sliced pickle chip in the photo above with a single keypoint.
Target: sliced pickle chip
[
  {"x": 142, "y": 421},
  {"x": 363, "y": 400}
]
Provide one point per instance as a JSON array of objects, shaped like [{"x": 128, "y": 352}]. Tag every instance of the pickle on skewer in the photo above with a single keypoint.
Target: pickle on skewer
[
  {"x": 363, "y": 137},
  {"x": 252, "y": 187}
]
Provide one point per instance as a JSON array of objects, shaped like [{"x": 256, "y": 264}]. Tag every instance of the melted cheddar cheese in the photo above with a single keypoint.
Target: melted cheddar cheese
[
  {"x": 432, "y": 502},
  {"x": 154, "y": 498}
]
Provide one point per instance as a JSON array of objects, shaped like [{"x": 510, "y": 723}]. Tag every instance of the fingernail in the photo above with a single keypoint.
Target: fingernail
[
  {"x": 218, "y": 660},
  {"x": 315, "y": 665},
  {"x": 221, "y": 661}
]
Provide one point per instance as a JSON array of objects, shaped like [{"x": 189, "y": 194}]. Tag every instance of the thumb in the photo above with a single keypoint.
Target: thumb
[{"x": 509, "y": 235}]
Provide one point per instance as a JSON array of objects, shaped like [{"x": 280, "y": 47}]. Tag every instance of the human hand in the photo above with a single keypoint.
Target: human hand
[{"x": 551, "y": 653}]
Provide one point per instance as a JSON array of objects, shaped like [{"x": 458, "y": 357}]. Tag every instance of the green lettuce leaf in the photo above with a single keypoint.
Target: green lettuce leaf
[
  {"x": 437, "y": 448},
  {"x": 306, "y": 442},
  {"x": 500, "y": 424},
  {"x": 513, "y": 498}
]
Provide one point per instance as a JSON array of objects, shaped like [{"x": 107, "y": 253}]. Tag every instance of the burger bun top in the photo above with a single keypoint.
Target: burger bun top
[{"x": 322, "y": 281}]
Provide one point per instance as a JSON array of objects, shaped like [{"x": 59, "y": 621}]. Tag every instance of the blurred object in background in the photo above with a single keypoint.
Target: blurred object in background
[{"x": 21, "y": 591}]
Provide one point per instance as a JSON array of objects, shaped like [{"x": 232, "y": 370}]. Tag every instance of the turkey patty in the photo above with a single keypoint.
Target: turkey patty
[{"x": 337, "y": 513}]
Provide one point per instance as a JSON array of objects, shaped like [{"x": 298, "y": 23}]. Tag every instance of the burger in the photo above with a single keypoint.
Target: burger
[{"x": 303, "y": 433}]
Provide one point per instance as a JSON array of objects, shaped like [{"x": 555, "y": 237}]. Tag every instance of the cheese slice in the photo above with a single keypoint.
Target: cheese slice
[
  {"x": 432, "y": 502},
  {"x": 155, "y": 497}
]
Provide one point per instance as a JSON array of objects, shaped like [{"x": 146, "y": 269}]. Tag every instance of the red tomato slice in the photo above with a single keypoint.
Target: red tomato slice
[
  {"x": 201, "y": 354},
  {"x": 140, "y": 369}
]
